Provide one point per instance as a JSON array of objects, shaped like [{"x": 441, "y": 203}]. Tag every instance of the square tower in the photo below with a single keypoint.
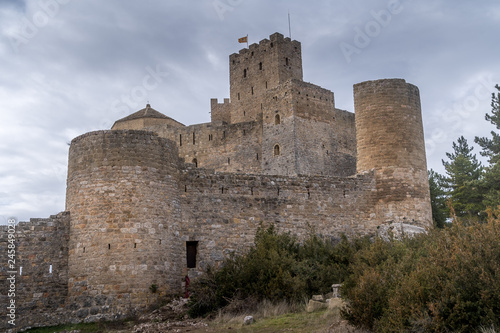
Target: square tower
[{"x": 256, "y": 70}]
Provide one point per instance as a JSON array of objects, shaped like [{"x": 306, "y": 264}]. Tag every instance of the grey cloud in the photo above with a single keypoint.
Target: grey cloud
[{"x": 66, "y": 79}]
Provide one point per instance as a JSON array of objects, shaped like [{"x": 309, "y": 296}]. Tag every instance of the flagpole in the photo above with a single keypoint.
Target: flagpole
[
  {"x": 247, "y": 41},
  {"x": 289, "y": 26}
]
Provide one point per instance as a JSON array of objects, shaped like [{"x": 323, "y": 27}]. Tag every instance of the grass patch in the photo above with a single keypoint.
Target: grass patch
[
  {"x": 283, "y": 317},
  {"x": 301, "y": 322}
]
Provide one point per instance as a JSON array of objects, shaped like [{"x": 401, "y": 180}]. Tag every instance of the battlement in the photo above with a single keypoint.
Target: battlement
[
  {"x": 220, "y": 112},
  {"x": 265, "y": 43}
]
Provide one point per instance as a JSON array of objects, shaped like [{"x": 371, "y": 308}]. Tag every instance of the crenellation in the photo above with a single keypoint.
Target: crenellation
[{"x": 142, "y": 196}]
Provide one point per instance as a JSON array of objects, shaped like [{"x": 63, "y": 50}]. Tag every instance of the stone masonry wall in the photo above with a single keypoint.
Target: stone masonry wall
[
  {"x": 220, "y": 112},
  {"x": 42, "y": 272},
  {"x": 224, "y": 147},
  {"x": 123, "y": 196},
  {"x": 390, "y": 140},
  {"x": 223, "y": 211},
  {"x": 325, "y": 137},
  {"x": 313, "y": 137}
]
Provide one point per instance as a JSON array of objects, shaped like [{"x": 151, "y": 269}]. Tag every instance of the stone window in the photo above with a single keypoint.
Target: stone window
[
  {"x": 277, "y": 119},
  {"x": 287, "y": 61},
  {"x": 245, "y": 72},
  {"x": 228, "y": 160},
  {"x": 180, "y": 139},
  {"x": 194, "y": 139},
  {"x": 276, "y": 150},
  {"x": 252, "y": 90},
  {"x": 260, "y": 65},
  {"x": 50, "y": 269},
  {"x": 210, "y": 137},
  {"x": 266, "y": 84},
  {"x": 238, "y": 96},
  {"x": 191, "y": 251},
  {"x": 195, "y": 162},
  {"x": 257, "y": 156}
]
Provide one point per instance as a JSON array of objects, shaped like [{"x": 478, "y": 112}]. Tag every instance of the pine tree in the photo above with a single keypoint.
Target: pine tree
[
  {"x": 438, "y": 199},
  {"x": 463, "y": 173},
  {"x": 491, "y": 149}
]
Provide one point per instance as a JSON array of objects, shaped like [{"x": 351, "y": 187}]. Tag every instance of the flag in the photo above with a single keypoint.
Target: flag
[{"x": 243, "y": 39}]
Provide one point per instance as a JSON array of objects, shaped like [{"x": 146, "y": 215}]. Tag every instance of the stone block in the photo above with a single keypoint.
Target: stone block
[
  {"x": 315, "y": 306},
  {"x": 248, "y": 320}
]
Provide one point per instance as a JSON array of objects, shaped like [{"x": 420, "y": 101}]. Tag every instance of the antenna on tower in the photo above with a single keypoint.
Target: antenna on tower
[{"x": 289, "y": 26}]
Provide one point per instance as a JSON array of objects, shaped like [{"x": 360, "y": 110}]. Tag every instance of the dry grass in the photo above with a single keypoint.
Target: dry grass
[{"x": 283, "y": 317}]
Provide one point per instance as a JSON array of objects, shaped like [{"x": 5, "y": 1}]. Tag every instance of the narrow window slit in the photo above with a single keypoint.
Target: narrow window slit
[{"x": 191, "y": 252}]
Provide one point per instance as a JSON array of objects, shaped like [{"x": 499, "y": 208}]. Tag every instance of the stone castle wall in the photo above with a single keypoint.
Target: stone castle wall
[
  {"x": 41, "y": 282},
  {"x": 123, "y": 196},
  {"x": 224, "y": 147},
  {"x": 223, "y": 211},
  {"x": 390, "y": 140}
]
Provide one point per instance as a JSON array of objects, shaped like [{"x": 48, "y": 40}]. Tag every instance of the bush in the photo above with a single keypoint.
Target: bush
[
  {"x": 444, "y": 281},
  {"x": 278, "y": 267}
]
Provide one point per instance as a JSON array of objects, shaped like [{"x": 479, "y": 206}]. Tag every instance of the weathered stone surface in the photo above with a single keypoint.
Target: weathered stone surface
[
  {"x": 315, "y": 305},
  {"x": 398, "y": 230},
  {"x": 318, "y": 298},
  {"x": 335, "y": 303}
]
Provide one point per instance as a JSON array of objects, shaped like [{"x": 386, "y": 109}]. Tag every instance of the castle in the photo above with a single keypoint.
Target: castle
[{"x": 152, "y": 200}]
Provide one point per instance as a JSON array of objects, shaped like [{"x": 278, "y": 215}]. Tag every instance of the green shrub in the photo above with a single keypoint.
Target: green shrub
[
  {"x": 444, "y": 281},
  {"x": 278, "y": 267}
]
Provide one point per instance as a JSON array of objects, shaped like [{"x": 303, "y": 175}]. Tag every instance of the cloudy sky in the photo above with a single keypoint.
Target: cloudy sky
[{"x": 72, "y": 66}]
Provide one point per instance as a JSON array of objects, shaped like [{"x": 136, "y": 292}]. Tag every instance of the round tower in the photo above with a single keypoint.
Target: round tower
[
  {"x": 122, "y": 194},
  {"x": 390, "y": 140}
]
